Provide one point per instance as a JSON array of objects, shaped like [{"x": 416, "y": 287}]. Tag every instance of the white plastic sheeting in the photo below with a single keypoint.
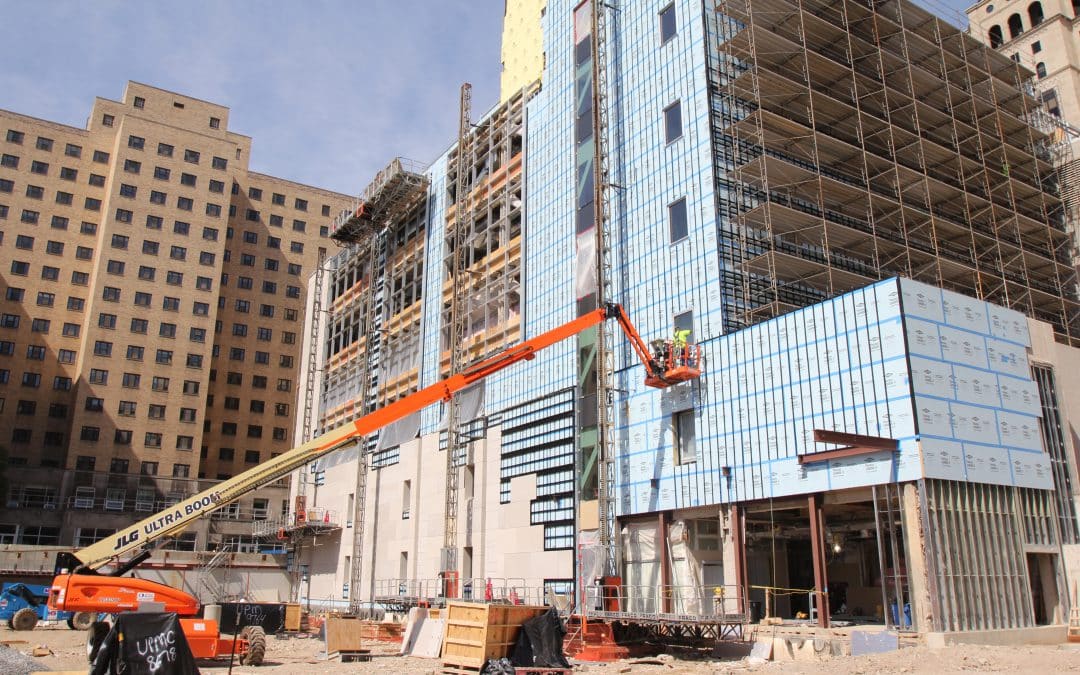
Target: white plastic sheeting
[
  {"x": 687, "y": 587},
  {"x": 642, "y": 567}
]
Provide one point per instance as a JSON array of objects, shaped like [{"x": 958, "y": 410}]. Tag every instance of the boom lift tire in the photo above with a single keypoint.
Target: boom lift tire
[
  {"x": 95, "y": 635},
  {"x": 256, "y": 645},
  {"x": 81, "y": 620},
  {"x": 24, "y": 619}
]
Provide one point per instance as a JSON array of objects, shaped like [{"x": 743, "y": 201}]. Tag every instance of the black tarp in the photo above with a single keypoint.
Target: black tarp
[
  {"x": 539, "y": 644},
  {"x": 145, "y": 644},
  {"x": 235, "y": 616}
]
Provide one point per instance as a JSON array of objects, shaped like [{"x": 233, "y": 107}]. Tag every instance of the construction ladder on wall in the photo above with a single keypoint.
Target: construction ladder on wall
[
  {"x": 605, "y": 388},
  {"x": 373, "y": 301},
  {"x": 308, "y": 427}
]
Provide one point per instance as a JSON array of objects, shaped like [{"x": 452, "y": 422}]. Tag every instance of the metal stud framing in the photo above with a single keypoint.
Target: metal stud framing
[{"x": 977, "y": 536}]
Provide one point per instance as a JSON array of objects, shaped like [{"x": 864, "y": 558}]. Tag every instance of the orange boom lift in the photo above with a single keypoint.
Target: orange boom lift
[{"x": 78, "y": 587}]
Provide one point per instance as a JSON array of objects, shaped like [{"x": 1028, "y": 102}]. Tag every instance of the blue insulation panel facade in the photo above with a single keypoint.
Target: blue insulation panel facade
[
  {"x": 962, "y": 392},
  {"x": 977, "y": 408}
]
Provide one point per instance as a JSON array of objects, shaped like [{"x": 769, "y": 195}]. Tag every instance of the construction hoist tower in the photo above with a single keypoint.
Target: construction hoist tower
[
  {"x": 459, "y": 324},
  {"x": 605, "y": 389},
  {"x": 594, "y": 437}
]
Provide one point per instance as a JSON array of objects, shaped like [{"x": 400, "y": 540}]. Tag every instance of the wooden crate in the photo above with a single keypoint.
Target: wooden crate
[
  {"x": 292, "y": 616},
  {"x": 342, "y": 635},
  {"x": 477, "y": 632}
]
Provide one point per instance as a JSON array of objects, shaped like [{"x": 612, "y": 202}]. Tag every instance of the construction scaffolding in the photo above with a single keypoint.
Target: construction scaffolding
[
  {"x": 863, "y": 140},
  {"x": 481, "y": 295},
  {"x": 375, "y": 291},
  {"x": 393, "y": 193},
  {"x": 489, "y": 294},
  {"x": 365, "y": 353}
]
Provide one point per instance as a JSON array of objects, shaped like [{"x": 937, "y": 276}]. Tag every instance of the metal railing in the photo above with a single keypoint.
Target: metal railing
[
  {"x": 686, "y": 602},
  {"x": 512, "y": 591},
  {"x": 703, "y": 604},
  {"x": 315, "y": 517}
]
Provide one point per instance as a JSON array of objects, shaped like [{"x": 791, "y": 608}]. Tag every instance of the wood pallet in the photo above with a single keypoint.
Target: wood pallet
[
  {"x": 354, "y": 655},
  {"x": 468, "y": 670},
  {"x": 450, "y": 669}
]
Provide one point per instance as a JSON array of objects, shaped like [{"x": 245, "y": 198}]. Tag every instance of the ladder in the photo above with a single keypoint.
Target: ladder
[
  {"x": 313, "y": 352},
  {"x": 310, "y": 384},
  {"x": 375, "y": 295},
  {"x": 605, "y": 387}
]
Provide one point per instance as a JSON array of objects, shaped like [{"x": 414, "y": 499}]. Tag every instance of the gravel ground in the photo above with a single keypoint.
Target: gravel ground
[
  {"x": 15, "y": 662},
  {"x": 302, "y": 655}
]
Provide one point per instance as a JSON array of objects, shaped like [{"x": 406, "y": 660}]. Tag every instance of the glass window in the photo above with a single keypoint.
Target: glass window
[
  {"x": 685, "y": 441},
  {"x": 673, "y": 122},
  {"x": 677, "y": 223}
]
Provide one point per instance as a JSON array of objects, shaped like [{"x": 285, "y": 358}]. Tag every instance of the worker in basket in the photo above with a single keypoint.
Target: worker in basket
[
  {"x": 661, "y": 350},
  {"x": 680, "y": 346}
]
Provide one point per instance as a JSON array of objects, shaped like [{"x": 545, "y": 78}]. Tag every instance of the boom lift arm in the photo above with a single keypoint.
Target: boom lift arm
[{"x": 176, "y": 518}]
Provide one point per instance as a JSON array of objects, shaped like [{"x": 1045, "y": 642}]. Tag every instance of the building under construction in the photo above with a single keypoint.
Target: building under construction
[{"x": 756, "y": 173}]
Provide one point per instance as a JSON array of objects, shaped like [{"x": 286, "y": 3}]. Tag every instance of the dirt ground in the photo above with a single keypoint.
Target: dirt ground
[{"x": 302, "y": 655}]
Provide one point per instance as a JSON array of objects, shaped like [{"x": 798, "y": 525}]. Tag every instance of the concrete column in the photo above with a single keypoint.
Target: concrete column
[{"x": 916, "y": 550}]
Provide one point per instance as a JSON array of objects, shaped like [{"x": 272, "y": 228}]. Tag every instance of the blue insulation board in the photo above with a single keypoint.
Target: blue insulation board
[
  {"x": 965, "y": 409},
  {"x": 977, "y": 408}
]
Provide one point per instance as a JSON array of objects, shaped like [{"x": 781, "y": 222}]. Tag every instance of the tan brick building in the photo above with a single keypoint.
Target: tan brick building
[{"x": 151, "y": 318}]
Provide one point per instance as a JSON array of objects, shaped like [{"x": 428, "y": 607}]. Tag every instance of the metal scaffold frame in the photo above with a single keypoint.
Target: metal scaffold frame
[
  {"x": 870, "y": 140},
  {"x": 482, "y": 274},
  {"x": 378, "y": 268}
]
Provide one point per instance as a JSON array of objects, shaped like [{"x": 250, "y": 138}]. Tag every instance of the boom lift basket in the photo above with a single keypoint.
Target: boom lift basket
[{"x": 675, "y": 365}]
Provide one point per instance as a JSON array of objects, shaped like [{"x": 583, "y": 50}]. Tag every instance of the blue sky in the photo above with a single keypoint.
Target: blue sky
[{"x": 330, "y": 90}]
